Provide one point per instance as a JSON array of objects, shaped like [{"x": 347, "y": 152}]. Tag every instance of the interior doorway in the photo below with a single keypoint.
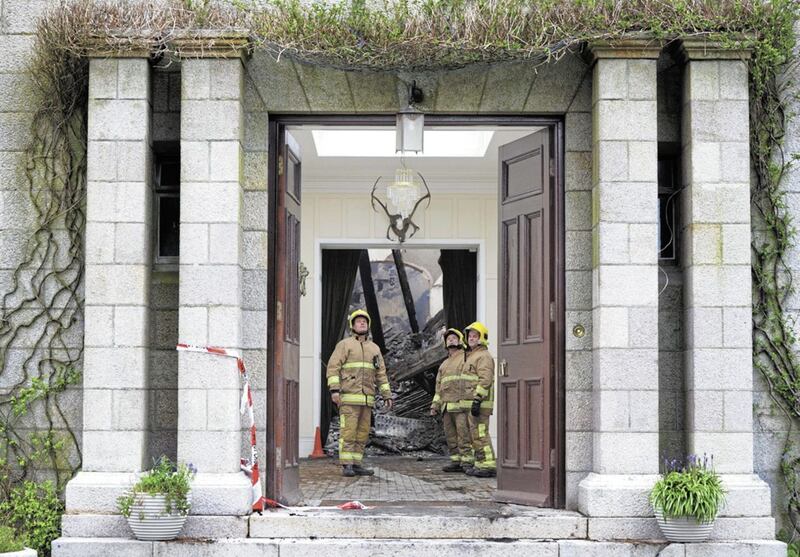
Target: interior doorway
[{"x": 496, "y": 189}]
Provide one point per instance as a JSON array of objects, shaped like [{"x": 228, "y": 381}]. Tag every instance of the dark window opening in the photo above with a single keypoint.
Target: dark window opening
[
  {"x": 669, "y": 186},
  {"x": 167, "y": 181}
]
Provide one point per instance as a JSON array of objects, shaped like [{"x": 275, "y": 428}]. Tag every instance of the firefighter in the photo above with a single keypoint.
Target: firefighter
[
  {"x": 355, "y": 369},
  {"x": 452, "y": 387},
  {"x": 481, "y": 364}
]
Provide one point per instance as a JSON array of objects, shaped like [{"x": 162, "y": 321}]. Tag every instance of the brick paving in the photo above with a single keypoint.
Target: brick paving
[{"x": 397, "y": 478}]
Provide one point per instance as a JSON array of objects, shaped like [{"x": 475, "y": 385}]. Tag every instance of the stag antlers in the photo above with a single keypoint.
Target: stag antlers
[{"x": 398, "y": 224}]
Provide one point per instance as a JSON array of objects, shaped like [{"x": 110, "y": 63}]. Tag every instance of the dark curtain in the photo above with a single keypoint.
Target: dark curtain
[
  {"x": 339, "y": 267},
  {"x": 459, "y": 286}
]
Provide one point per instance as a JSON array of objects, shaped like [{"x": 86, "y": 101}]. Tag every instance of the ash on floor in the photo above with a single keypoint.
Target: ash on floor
[{"x": 397, "y": 478}]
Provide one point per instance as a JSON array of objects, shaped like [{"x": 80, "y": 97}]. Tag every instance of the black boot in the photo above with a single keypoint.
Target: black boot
[
  {"x": 348, "y": 471},
  {"x": 482, "y": 472},
  {"x": 361, "y": 471},
  {"x": 453, "y": 467}
]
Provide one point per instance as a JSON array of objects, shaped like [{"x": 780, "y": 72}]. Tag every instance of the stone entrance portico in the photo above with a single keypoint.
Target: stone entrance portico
[{"x": 611, "y": 144}]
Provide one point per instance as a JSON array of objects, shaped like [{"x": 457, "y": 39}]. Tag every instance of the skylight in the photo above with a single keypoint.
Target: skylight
[{"x": 381, "y": 143}]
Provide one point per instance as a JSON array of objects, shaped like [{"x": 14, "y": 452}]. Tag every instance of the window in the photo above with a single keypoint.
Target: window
[
  {"x": 167, "y": 181},
  {"x": 669, "y": 180}
]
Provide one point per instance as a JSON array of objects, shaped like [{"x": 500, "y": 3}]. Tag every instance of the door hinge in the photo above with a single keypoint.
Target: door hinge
[
  {"x": 280, "y": 165},
  {"x": 552, "y": 312},
  {"x": 552, "y": 167},
  {"x": 552, "y": 458}
]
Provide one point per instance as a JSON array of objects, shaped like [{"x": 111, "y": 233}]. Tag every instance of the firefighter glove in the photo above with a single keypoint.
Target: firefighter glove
[{"x": 476, "y": 408}]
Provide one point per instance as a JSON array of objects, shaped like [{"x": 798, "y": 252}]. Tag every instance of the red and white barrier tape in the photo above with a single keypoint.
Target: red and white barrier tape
[
  {"x": 349, "y": 506},
  {"x": 249, "y": 467}
]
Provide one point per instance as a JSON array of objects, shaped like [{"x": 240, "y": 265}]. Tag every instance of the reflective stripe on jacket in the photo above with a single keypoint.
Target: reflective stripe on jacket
[
  {"x": 357, "y": 371},
  {"x": 479, "y": 363},
  {"x": 452, "y": 384}
]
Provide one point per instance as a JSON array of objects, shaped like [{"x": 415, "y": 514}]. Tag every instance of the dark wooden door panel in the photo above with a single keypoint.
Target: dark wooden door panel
[
  {"x": 525, "y": 352},
  {"x": 509, "y": 428},
  {"x": 510, "y": 278},
  {"x": 283, "y": 477}
]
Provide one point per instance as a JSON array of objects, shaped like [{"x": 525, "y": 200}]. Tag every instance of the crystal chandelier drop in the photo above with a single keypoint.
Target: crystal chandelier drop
[{"x": 403, "y": 192}]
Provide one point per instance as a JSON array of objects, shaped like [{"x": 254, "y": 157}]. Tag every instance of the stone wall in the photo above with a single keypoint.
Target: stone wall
[
  {"x": 17, "y": 218},
  {"x": 771, "y": 426}
]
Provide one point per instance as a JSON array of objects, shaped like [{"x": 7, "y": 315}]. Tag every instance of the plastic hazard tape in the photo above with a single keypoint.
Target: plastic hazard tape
[
  {"x": 248, "y": 466},
  {"x": 349, "y": 506}
]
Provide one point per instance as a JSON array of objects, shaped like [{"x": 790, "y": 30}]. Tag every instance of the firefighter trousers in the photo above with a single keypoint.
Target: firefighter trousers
[
  {"x": 481, "y": 442},
  {"x": 459, "y": 442},
  {"x": 354, "y": 423}
]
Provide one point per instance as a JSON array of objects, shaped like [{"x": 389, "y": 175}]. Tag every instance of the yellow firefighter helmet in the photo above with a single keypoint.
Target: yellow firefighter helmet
[
  {"x": 453, "y": 331},
  {"x": 481, "y": 329},
  {"x": 358, "y": 313}
]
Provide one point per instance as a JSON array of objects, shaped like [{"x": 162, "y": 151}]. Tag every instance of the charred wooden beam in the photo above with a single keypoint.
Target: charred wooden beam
[
  {"x": 408, "y": 298},
  {"x": 371, "y": 300}
]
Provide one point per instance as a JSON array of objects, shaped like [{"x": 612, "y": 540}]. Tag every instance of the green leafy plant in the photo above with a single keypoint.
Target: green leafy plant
[
  {"x": 164, "y": 478},
  {"x": 692, "y": 489},
  {"x": 8, "y": 540},
  {"x": 33, "y": 510}
]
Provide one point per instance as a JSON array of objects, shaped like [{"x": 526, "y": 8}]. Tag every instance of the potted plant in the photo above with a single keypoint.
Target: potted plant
[
  {"x": 687, "y": 498},
  {"x": 157, "y": 505},
  {"x": 11, "y": 546}
]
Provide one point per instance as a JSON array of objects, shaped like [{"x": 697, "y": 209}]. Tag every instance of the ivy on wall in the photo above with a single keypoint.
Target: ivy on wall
[{"x": 42, "y": 309}]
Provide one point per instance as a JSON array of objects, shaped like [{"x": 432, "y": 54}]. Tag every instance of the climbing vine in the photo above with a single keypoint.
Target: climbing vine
[{"x": 40, "y": 343}]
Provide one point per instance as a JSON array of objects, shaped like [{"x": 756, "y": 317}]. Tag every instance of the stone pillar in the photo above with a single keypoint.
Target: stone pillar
[
  {"x": 716, "y": 257},
  {"x": 625, "y": 282},
  {"x": 118, "y": 263},
  {"x": 210, "y": 433}
]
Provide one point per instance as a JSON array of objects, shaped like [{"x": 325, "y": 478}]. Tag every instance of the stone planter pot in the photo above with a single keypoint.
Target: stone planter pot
[
  {"x": 150, "y": 521},
  {"x": 25, "y": 552},
  {"x": 684, "y": 529}
]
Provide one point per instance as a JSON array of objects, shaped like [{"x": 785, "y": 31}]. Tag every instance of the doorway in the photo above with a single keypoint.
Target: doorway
[{"x": 523, "y": 302}]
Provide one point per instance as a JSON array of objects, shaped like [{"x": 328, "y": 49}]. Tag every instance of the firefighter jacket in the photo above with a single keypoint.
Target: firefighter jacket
[
  {"x": 480, "y": 364},
  {"x": 453, "y": 387},
  {"x": 356, "y": 370}
]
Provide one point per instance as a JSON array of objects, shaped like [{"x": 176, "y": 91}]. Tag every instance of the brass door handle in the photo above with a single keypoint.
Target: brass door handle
[
  {"x": 503, "y": 368},
  {"x": 302, "y": 273}
]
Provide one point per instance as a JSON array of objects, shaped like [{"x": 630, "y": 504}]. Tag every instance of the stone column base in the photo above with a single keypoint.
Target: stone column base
[
  {"x": 611, "y": 495},
  {"x": 97, "y": 492},
  {"x": 616, "y": 495},
  {"x": 747, "y": 495},
  {"x": 212, "y": 494},
  {"x": 221, "y": 494}
]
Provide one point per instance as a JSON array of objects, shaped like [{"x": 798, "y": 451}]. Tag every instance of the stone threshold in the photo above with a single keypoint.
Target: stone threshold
[
  {"x": 463, "y": 522},
  {"x": 97, "y": 547},
  {"x": 489, "y": 521}
]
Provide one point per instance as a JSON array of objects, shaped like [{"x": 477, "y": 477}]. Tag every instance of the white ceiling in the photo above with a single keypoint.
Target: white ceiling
[{"x": 354, "y": 174}]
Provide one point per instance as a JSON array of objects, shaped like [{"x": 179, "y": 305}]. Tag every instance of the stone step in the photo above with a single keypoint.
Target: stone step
[
  {"x": 446, "y": 522},
  {"x": 102, "y": 547}
]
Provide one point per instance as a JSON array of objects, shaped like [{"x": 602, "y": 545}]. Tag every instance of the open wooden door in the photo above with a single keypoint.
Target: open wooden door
[
  {"x": 526, "y": 371},
  {"x": 282, "y": 465}
]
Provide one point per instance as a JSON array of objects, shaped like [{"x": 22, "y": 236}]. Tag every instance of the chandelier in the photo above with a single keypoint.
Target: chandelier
[{"x": 403, "y": 192}]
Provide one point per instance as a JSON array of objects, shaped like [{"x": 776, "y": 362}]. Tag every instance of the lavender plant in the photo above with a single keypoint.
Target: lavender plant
[{"x": 689, "y": 488}]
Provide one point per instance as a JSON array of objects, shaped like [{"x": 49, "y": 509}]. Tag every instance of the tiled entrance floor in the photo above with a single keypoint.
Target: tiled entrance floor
[{"x": 397, "y": 478}]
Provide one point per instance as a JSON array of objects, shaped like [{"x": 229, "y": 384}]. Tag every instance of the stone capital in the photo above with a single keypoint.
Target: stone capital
[
  {"x": 120, "y": 45},
  {"x": 627, "y": 48},
  {"x": 209, "y": 43},
  {"x": 703, "y": 48}
]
